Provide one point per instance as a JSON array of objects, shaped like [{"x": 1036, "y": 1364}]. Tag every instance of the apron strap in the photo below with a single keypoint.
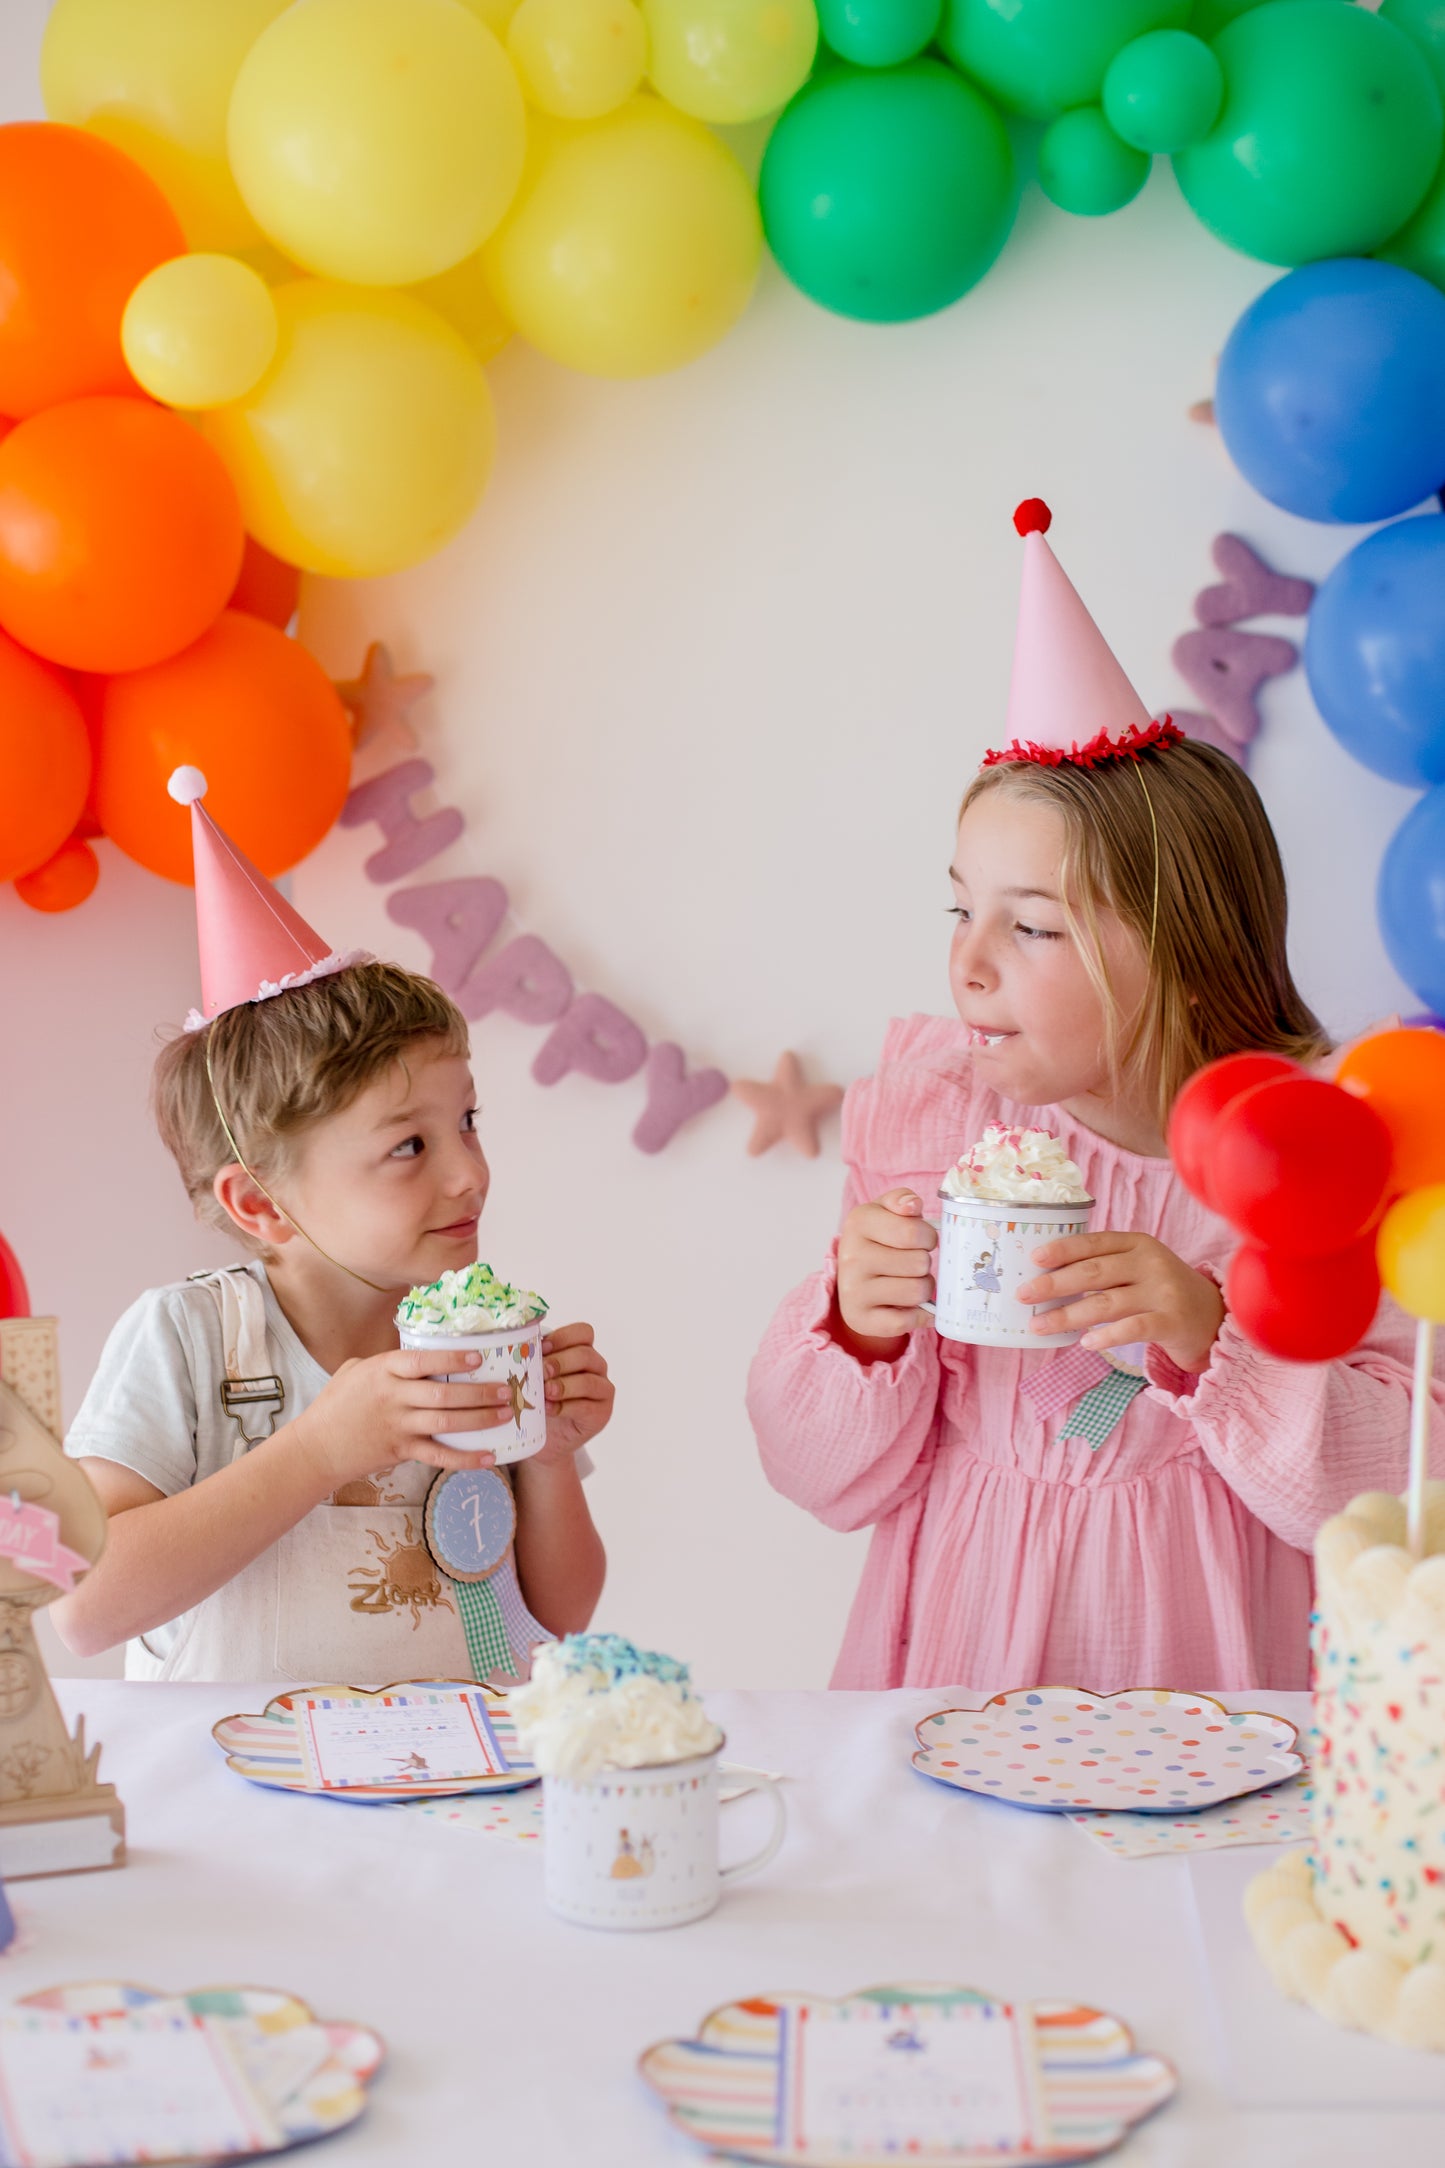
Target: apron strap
[{"x": 250, "y": 1385}]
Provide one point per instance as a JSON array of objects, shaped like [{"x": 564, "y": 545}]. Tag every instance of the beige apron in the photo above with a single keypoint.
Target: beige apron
[{"x": 350, "y": 1594}]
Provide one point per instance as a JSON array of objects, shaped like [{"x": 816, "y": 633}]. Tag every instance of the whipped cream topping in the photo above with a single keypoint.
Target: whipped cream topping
[
  {"x": 1016, "y": 1166},
  {"x": 597, "y": 1701},
  {"x": 470, "y": 1300}
]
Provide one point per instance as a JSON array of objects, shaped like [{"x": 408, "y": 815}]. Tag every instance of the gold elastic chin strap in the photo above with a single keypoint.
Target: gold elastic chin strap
[
  {"x": 241, "y": 1163},
  {"x": 1154, "y": 825}
]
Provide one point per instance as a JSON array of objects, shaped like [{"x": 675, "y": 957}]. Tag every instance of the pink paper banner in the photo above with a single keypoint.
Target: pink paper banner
[{"x": 30, "y": 1536}]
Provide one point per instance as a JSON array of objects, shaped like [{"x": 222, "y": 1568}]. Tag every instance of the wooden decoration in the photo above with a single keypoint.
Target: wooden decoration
[{"x": 55, "y": 1816}]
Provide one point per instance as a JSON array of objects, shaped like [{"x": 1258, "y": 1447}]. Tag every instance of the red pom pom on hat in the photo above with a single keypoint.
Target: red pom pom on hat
[{"x": 1033, "y": 516}]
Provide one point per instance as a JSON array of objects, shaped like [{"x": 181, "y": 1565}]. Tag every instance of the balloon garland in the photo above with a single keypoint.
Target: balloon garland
[{"x": 256, "y": 259}]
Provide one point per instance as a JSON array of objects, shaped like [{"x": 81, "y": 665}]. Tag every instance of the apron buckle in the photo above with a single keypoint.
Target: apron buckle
[{"x": 240, "y": 1394}]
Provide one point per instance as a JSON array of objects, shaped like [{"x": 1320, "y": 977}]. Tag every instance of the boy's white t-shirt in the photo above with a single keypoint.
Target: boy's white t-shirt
[{"x": 349, "y": 1594}]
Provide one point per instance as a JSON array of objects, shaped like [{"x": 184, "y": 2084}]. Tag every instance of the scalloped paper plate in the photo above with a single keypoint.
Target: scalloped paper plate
[
  {"x": 1148, "y": 1751},
  {"x": 733, "y": 2086},
  {"x": 312, "y": 2076},
  {"x": 267, "y": 1749}
]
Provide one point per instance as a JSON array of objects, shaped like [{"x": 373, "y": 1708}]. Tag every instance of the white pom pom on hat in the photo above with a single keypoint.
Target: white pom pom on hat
[{"x": 186, "y": 785}]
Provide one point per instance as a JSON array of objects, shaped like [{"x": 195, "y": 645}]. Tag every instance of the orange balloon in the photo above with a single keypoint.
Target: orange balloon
[
  {"x": 1402, "y": 1076},
  {"x": 63, "y": 881},
  {"x": 258, "y": 714},
  {"x": 44, "y": 761},
  {"x": 120, "y": 534},
  {"x": 268, "y": 586},
  {"x": 89, "y": 692},
  {"x": 80, "y": 226}
]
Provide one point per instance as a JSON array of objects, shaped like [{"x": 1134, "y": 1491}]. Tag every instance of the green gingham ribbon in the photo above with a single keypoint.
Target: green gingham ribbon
[
  {"x": 1095, "y": 1417},
  {"x": 485, "y": 1629}
]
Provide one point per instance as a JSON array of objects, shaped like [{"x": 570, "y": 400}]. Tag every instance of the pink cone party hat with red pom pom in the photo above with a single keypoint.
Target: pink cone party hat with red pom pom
[
  {"x": 1069, "y": 699},
  {"x": 252, "y": 944}
]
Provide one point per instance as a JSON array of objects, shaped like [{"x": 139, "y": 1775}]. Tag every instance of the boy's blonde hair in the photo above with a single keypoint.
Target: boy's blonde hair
[
  {"x": 283, "y": 1065},
  {"x": 1219, "y": 977}
]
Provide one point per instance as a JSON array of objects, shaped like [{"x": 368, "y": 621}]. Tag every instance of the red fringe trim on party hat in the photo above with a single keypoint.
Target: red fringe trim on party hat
[{"x": 1104, "y": 747}]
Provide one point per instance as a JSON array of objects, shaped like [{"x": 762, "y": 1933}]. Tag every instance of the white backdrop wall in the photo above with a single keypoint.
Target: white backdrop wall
[{"x": 714, "y": 661}]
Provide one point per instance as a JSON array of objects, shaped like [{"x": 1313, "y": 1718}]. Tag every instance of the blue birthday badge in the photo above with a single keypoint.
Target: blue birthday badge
[{"x": 471, "y": 1519}]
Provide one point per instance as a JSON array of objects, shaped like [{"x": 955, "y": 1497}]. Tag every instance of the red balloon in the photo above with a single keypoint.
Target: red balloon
[
  {"x": 1203, "y": 1100},
  {"x": 14, "y": 1294},
  {"x": 63, "y": 881},
  {"x": 1300, "y": 1165},
  {"x": 268, "y": 587},
  {"x": 1305, "y": 1309}
]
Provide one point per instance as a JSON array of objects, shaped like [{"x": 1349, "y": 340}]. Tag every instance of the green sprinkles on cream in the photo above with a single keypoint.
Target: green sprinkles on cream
[{"x": 471, "y": 1300}]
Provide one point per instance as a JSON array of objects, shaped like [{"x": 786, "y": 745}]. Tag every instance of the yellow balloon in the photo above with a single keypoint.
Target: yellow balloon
[
  {"x": 377, "y": 141},
  {"x": 154, "y": 77},
  {"x": 1411, "y": 1251},
  {"x": 368, "y": 442},
  {"x": 578, "y": 59},
  {"x": 633, "y": 245},
  {"x": 199, "y": 331},
  {"x": 464, "y": 298},
  {"x": 730, "y": 60},
  {"x": 496, "y": 14}
]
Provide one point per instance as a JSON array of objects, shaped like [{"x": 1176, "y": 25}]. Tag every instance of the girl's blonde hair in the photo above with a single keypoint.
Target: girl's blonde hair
[
  {"x": 283, "y": 1065},
  {"x": 1178, "y": 846}
]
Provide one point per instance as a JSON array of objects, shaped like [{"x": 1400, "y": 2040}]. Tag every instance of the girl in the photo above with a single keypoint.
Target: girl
[{"x": 1120, "y": 921}]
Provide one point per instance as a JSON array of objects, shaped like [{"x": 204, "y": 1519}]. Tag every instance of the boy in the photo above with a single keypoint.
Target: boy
[{"x": 260, "y": 1442}]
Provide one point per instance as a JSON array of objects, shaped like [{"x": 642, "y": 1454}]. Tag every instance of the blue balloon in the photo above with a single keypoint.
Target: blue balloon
[
  {"x": 1331, "y": 391},
  {"x": 1412, "y": 899},
  {"x": 1375, "y": 651}
]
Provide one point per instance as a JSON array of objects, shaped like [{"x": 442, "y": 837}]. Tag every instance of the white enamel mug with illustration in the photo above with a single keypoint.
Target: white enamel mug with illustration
[
  {"x": 511, "y": 1356},
  {"x": 638, "y": 1848},
  {"x": 985, "y": 1255}
]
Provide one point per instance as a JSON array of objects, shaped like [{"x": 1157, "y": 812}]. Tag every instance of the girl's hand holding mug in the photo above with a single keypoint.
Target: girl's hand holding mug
[
  {"x": 885, "y": 1274},
  {"x": 1123, "y": 1288}
]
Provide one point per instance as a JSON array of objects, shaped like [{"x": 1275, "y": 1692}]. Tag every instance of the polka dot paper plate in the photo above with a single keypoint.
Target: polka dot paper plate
[{"x": 1148, "y": 1751}]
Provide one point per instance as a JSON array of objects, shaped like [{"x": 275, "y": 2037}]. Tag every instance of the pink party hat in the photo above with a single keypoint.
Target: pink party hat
[
  {"x": 1069, "y": 699},
  {"x": 252, "y": 943}
]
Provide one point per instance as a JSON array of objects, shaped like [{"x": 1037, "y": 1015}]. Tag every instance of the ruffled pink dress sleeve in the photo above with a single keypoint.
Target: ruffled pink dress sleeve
[{"x": 1003, "y": 1555}]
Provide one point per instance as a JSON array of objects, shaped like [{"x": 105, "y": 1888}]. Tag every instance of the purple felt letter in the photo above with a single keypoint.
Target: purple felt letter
[
  {"x": 386, "y": 799},
  {"x": 1226, "y": 669},
  {"x": 1210, "y": 731},
  {"x": 525, "y": 978},
  {"x": 1249, "y": 588},
  {"x": 595, "y": 1039},
  {"x": 458, "y": 918},
  {"x": 674, "y": 1097}
]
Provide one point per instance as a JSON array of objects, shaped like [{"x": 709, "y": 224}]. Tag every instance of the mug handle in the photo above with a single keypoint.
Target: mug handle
[{"x": 758, "y": 1781}]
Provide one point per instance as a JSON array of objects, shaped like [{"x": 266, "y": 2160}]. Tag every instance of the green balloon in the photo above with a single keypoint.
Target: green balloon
[
  {"x": 1163, "y": 91},
  {"x": 1423, "y": 22},
  {"x": 1039, "y": 57},
  {"x": 1208, "y": 17},
  {"x": 1420, "y": 246},
  {"x": 878, "y": 33},
  {"x": 1084, "y": 168},
  {"x": 887, "y": 193},
  {"x": 1329, "y": 136}
]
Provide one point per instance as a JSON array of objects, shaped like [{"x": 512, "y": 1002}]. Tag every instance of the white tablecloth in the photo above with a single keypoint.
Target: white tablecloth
[{"x": 513, "y": 2037}]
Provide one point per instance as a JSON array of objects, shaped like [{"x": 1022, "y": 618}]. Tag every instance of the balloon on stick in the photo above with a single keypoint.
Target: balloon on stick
[
  {"x": 1300, "y": 1165},
  {"x": 1401, "y": 1075},
  {"x": 120, "y": 535},
  {"x": 1202, "y": 1102},
  {"x": 1303, "y": 1309},
  {"x": 80, "y": 225},
  {"x": 259, "y": 715},
  {"x": 1412, "y": 1266}
]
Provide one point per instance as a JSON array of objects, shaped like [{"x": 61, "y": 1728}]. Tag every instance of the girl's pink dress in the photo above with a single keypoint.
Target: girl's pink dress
[{"x": 1174, "y": 1555}]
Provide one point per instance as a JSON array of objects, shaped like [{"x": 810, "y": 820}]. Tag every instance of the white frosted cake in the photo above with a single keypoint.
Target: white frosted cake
[{"x": 1356, "y": 1926}]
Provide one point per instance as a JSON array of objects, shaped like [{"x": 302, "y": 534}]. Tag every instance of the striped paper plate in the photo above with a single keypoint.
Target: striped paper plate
[
  {"x": 725, "y": 2088},
  {"x": 266, "y": 1748}
]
